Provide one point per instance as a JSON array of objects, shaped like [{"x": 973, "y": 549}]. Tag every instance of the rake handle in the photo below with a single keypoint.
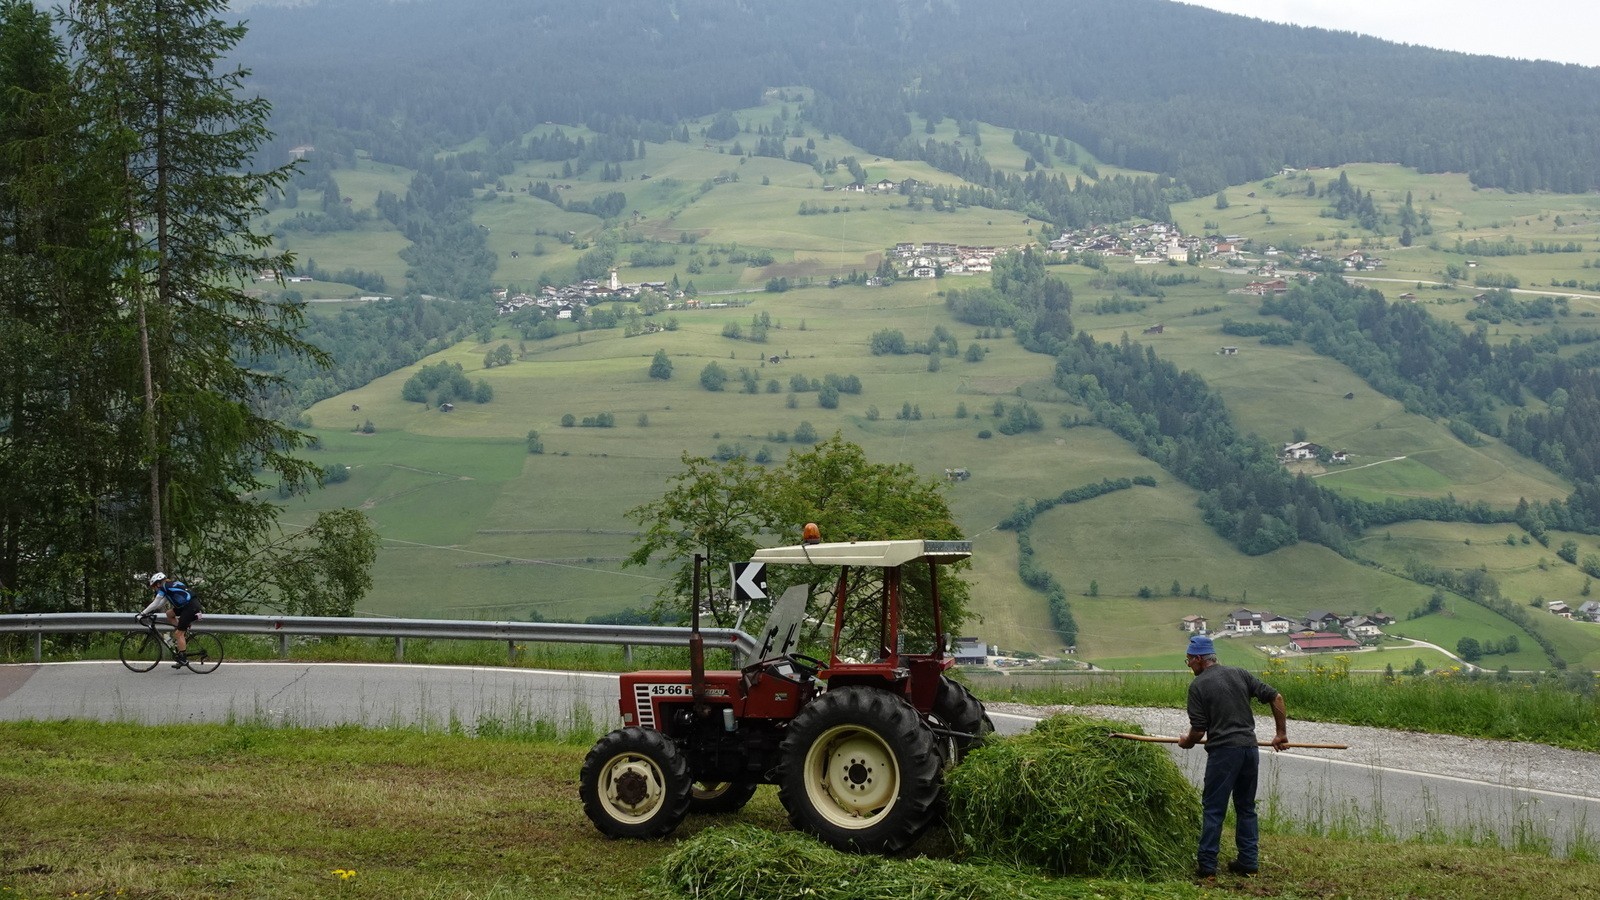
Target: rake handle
[{"x": 1158, "y": 739}]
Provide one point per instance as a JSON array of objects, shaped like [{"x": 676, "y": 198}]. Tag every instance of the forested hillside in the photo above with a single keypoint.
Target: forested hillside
[{"x": 1203, "y": 98}]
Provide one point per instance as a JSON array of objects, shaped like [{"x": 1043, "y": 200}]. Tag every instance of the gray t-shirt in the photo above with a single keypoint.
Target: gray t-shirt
[{"x": 1219, "y": 705}]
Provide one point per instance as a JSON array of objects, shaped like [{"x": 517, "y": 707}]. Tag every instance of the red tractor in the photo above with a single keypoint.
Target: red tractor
[{"x": 858, "y": 749}]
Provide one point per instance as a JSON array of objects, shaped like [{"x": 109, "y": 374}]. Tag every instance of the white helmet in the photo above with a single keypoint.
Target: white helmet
[{"x": 157, "y": 578}]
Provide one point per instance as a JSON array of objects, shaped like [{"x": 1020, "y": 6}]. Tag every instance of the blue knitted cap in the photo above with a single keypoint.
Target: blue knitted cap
[{"x": 1200, "y": 645}]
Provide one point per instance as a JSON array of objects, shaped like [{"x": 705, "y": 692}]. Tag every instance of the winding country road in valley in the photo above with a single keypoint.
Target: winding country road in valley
[{"x": 1411, "y": 782}]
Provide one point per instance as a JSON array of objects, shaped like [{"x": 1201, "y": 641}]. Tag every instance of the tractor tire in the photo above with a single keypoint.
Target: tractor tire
[
  {"x": 956, "y": 708},
  {"x": 860, "y": 771},
  {"x": 634, "y": 784},
  {"x": 711, "y": 798}
]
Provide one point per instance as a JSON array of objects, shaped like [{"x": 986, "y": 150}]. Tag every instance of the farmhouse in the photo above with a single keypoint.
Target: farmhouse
[
  {"x": 1322, "y": 620},
  {"x": 1276, "y": 624},
  {"x": 1362, "y": 628},
  {"x": 1299, "y": 450},
  {"x": 1243, "y": 621},
  {"x": 1193, "y": 624}
]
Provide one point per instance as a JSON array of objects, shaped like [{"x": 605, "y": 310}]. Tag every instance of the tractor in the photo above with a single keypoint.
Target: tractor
[{"x": 857, "y": 747}]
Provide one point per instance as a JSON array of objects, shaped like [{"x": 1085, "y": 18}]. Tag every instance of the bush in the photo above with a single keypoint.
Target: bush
[
  {"x": 1071, "y": 800},
  {"x": 712, "y": 377}
]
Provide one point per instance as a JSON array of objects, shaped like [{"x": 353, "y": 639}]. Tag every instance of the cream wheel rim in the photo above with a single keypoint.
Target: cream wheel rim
[{"x": 853, "y": 777}]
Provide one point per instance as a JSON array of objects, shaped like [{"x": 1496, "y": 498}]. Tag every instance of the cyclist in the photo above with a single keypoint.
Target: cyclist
[{"x": 182, "y": 609}]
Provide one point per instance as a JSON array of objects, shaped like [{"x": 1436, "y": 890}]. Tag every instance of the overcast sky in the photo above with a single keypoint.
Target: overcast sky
[{"x": 1560, "y": 30}]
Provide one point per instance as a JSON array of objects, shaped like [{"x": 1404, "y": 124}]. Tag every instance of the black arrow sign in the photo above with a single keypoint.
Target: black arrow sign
[{"x": 749, "y": 581}]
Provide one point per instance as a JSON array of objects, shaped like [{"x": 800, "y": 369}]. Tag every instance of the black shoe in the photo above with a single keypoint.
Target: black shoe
[
  {"x": 180, "y": 662},
  {"x": 1205, "y": 873},
  {"x": 1239, "y": 868}
]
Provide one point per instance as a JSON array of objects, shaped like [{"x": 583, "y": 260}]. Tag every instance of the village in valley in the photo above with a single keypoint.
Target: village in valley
[
  {"x": 1148, "y": 243},
  {"x": 1319, "y": 631}
]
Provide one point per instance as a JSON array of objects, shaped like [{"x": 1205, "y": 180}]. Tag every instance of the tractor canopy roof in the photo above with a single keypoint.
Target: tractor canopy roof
[{"x": 883, "y": 554}]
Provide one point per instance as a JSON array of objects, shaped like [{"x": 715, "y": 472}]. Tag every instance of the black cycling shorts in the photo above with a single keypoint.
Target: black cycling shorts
[{"x": 186, "y": 614}]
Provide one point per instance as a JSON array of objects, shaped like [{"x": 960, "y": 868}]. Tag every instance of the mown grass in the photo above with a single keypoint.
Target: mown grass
[{"x": 202, "y": 811}]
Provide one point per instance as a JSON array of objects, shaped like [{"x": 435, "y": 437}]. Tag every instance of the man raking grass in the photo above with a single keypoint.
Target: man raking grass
[{"x": 1219, "y": 713}]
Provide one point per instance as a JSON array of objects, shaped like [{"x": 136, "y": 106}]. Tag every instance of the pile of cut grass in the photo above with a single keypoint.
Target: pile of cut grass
[
  {"x": 1071, "y": 800},
  {"x": 743, "y": 862}
]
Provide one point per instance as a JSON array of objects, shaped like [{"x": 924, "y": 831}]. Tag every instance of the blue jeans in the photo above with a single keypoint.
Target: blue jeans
[{"x": 1230, "y": 772}]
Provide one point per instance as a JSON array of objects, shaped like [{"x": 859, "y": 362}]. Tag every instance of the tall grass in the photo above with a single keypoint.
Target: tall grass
[{"x": 1559, "y": 710}]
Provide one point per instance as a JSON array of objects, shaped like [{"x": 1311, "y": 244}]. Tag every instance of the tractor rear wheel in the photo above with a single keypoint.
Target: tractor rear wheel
[
  {"x": 956, "y": 708},
  {"x": 710, "y": 797},
  {"x": 634, "y": 784},
  {"x": 860, "y": 770}
]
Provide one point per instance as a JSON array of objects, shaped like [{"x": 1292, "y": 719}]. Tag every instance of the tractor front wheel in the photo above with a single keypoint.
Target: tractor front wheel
[
  {"x": 956, "y": 708},
  {"x": 860, "y": 771},
  {"x": 634, "y": 784}
]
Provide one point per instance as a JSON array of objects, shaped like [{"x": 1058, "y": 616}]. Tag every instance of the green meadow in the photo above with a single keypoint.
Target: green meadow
[
  {"x": 476, "y": 526},
  {"x": 1278, "y": 210}
]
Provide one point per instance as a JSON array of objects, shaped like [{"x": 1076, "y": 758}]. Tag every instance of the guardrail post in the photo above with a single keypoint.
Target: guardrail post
[
  {"x": 627, "y": 653},
  {"x": 38, "y": 646},
  {"x": 399, "y": 649},
  {"x": 511, "y": 653},
  {"x": 283, "y": 646}
]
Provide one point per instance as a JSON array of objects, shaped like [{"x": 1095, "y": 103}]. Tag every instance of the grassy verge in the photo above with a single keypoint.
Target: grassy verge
[
  {"x": 1561, "y": 712},
  {"x": 109, "y": 810}
]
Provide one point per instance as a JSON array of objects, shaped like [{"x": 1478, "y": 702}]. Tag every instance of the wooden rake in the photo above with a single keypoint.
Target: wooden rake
[{"x": 1159, "y": 739}]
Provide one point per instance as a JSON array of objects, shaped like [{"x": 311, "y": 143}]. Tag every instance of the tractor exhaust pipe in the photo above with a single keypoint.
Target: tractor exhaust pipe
[{"x": 697, "y": 650}]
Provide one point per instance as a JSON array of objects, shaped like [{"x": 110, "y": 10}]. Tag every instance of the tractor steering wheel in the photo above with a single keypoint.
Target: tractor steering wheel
[{"x": 807, "y": 665}]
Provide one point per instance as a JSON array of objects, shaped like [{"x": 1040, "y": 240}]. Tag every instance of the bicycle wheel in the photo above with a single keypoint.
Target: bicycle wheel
[
  {"x": 140, "y": 651},
  {"x": 204, "y": 652}
]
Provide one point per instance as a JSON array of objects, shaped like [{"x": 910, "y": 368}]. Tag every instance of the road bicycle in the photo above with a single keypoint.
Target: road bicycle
[{"x": 142, "y": 650}]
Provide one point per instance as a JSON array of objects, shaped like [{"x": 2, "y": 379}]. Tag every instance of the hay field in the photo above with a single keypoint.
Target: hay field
[{"x": 476, "y": 526}]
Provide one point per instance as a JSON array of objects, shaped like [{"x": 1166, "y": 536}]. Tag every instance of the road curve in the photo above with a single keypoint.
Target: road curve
[{"x": 1410, "y": 782}]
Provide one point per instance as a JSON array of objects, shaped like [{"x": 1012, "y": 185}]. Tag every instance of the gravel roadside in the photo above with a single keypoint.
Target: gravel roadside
[{"x": 1508, "y": 763}]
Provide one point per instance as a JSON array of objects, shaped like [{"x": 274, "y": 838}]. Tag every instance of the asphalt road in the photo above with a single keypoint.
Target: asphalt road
[{"x": 1409, "y": 782}]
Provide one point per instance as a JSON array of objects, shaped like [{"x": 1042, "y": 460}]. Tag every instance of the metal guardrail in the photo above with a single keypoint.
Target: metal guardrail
[{"x": 513, "y": 633}]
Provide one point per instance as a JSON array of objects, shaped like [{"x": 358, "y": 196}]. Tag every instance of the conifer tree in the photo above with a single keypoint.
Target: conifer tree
[{"x": 148, "y": 74}]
